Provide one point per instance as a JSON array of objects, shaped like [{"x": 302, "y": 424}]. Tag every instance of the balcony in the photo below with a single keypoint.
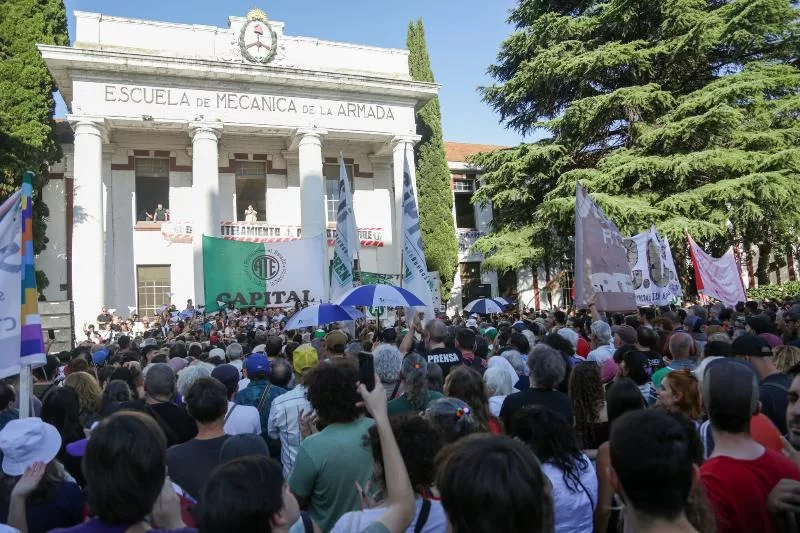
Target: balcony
[{"x": 181, "y": 232}]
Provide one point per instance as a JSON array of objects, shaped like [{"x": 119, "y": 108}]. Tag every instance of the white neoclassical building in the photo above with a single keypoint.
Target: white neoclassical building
[{"x": 177, "y": 130}]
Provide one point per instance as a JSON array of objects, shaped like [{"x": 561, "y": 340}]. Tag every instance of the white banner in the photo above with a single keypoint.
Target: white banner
[
  {"x": 717, "y": 277},
  {"x": 653, "y": 269},
  {"x": 10, "y": 285},
  {"x": 415, "y": 268},
  {"x": 346, "y": 245}
]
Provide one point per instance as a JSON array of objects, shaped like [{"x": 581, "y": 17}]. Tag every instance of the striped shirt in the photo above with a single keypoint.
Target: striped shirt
[{"x": 284, "y": 423}]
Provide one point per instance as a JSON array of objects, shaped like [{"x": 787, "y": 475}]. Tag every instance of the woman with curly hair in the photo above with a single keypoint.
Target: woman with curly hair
[
  {"x": 419, "y": 443},
  {"x": 467, "y": 385},
  {"x": 588, "y": 405},
  {"x": 416, "y": 392},
  {"x": 571, "y": 474},
  {"x": 90, "y": 396},
  {"x": 786, "y": 357}
]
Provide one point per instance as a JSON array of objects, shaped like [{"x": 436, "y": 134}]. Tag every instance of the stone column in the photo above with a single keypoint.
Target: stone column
[
  {"x": 205, "y": 195},
  {"x": 88, "y": 234},
  {"x": 312, "y": 183}
]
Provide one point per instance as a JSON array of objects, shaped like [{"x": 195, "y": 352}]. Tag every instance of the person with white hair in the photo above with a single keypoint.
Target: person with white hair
[
  {"x": 571, "y": 336},
  {"x": 190, "y": 374},
  {"x": 600, "y": 338},
  {"x": 498, "y": 386},
  {"x": 518, "y": 363},
  {"x": 234, "y": 352}
]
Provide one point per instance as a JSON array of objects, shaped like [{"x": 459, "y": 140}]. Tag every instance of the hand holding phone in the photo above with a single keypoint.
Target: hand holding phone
[{"x": 366, "y": 370}]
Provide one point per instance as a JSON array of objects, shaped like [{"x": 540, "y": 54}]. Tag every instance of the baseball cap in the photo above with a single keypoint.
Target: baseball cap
[
  {"x": 335, "y": 341},
  {"x": 472, "y": 323},
  {"x": 730, "y": 387},
  {"x": 227, "y": 374},
  {"x": 304, "y": 357},
  {"x": 490, "y": 333},
  {"x": 99, "y": 357},
  {"x": 759, "y": 324},
  {"x": 319, "y": 334},
  {"x": 626, "y": 333},
  {"x": 519, "y": 325},
  {"x": 750, "y": 345},
  {"x": 26, "y": 441},
  {"x": 256, "y": 363}
]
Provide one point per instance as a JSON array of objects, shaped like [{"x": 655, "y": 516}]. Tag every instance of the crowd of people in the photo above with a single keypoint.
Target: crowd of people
[{"x": 673, "y": 419}]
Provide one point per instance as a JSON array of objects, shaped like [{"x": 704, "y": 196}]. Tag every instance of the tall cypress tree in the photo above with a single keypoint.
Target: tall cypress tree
[
  {"x": 27, "y": 133},
  {"x": 679, "y": 113},
  {"x": 433, "y": 175}
]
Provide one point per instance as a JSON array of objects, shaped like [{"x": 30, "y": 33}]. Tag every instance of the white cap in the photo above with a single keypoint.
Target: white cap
[{"x": 26, "y": 441}]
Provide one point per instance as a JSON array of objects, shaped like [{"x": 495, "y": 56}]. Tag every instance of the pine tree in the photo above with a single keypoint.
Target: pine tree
[
  {"x": 433, "y": 174},
  {"x": 27, "y": 136},
  {"x": 682, "y": 113}
]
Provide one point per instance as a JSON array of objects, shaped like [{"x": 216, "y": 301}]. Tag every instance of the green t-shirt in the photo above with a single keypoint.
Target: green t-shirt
[
  {"x": 401, "y": 405},
  {"x": 326, "y": 466}
]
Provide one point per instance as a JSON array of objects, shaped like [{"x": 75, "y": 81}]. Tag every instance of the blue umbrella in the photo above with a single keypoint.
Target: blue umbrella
[
  {"x": 505, "y": 302},
  {"x": 483, "y": 306},
  {"x": 317, "y": 315},
  {"x": 380, "y": 296}
]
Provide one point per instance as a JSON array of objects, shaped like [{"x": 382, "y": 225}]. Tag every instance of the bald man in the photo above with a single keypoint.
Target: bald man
[{"x": 681, "y": 346}]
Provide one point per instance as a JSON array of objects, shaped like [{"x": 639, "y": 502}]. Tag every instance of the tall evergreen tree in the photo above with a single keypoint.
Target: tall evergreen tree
[
  {"x": 682, "y": 113},
  {"x": 27, "y": 135},
  {"x": 433, "y": 174}
]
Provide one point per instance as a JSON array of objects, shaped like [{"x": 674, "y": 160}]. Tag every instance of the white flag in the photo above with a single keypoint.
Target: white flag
[
  {"x": 717, "y": 277},
  {"x": 10, "y": 284},
  {"x": 347, "y": 243},
  {"x": 415, "y": 269},
  {"x": 655, "y": 280}
]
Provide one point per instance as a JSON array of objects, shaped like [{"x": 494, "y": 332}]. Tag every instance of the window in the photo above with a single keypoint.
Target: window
[
  {"x": 153, "y": 287},
  {"x": 462, "y": 196},
  {"x": 331, "y": 173},
  {"x": 470, "y": 272},
  {"x": 507, "y": 284},
  {"x": 152, "y": 186},
  {"x": 251, "y": 188}
]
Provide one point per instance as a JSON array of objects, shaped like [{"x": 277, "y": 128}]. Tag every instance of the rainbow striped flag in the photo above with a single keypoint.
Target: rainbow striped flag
[{"x": 20, "y": 327}]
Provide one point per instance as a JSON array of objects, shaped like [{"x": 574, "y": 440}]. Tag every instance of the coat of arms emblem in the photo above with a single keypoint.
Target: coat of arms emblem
[{"x": 257, "y": 41}]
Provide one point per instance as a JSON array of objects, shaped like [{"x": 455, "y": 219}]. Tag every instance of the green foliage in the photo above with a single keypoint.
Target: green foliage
[
  {"x": 775, "y": 293},
  {"x": 27, "y": 137},
  {"x": 680, "y": 113},
  {"x": 433, "y": 174}
]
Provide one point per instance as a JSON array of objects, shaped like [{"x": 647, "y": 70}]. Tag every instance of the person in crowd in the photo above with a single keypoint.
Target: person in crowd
[
  {"x": 388, "y": 361},
  {"x": 416, "y": 392},
  {"x": 786, "y": 357},
  {"x": 741, "y": 473},
  {"x": 774, "y": 388},
  {"x": 234, "y": 353},
  {"x": 570, "y": 471},
  {"x": 465, "y": 343},
  {"x": 623, "y": 396},
  {"x": 190, "y": 464},
  {"x": 159, "y": 395},
  {"x": 519, "y": 366},
  {"x": 250, "y": 214},
  {"x": 329, "y": 461},
  {"x": 240, "y": 419},
  {"x": 127, "y": 486},
  {"x": 280, "y": 373},
  {"x": 435, "y": 336},
  {"x": 600, "y": 339},
  {"x": 116, "y": 391},
  {"x": 160, "y": 214},
  {"x": 60, "y": 409},
  {"x": 55, "y": 501},
  {"x": 680, "y": 391},
  {"x": 498, "y": 386},
  {"x": 652, "y": 469},
  {"x": 419, "y": 443},
  {"x": 287, "y": 409},
  {"x": 633, "y": 365},
  {"x": 435, "y": 378},
  {"x": 335, "y": 343},
  {"x": 45, "y": 376},
  {"x": 452, "y": 419},
  {"x": 477, "y": 500},
  {"x": 547, "y": 369},
  {"x": 90, "y": 396},
  {"x": 190, "y": 374},
  {"x": 259, "y": 393},
  {"x": 681, "y": 346},
  {"x": 587, "y": 398},
  {"x": 8, "y": 398},
  {"x": 467, "y": 385},
  {"x": 793, "y": 409},
  {"x": 647, "y": 342}
]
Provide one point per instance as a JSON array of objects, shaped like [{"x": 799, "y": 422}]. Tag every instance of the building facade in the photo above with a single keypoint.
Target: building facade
[{"x": 180, "y": 130}]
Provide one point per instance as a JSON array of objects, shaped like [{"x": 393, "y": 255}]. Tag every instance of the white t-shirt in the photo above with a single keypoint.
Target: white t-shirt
[
  {"x": 574, "y": 508},
  {"x": 243, "y": 419},
  {"x": 356, "y": 521},
  {"x": 601, "y": 354}
]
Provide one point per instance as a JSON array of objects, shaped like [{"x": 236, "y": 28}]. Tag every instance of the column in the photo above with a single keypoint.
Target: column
[
  {"x": 108, "y": 226},
  {"x": 205, "y": 195},
  {"x": 312, "y": 184},
  {"x": 88, "y": 234}
]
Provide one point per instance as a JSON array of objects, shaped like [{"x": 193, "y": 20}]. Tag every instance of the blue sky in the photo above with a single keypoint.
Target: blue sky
[{"x": 463, "y": 39}]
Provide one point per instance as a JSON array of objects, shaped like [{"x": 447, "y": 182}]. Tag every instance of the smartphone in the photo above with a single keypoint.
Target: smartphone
[
  {"x": 51, "y": 334},
  {"x": 366, "y": 370}
]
